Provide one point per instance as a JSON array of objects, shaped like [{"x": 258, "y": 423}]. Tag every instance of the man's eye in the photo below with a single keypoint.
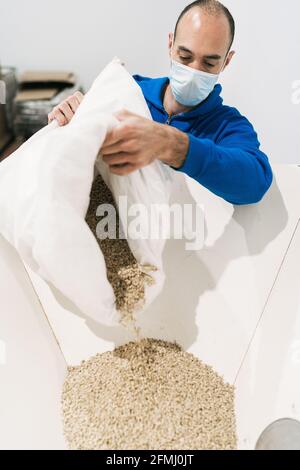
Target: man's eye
[
  {"x": 209, "y": 65},
  {"x": 184, "y": 58}
]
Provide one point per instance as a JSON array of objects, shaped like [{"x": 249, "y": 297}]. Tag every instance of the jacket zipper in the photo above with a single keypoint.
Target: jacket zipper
[{"x": 169, "y": 119}]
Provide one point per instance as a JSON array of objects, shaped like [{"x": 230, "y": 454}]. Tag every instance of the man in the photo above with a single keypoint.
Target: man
[{"x": 192, "y": 131}]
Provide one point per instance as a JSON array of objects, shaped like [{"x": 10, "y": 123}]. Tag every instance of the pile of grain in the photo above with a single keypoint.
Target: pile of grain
[
  {"x": 127, "y": 278},
  {"x": 148, "y": 394}
]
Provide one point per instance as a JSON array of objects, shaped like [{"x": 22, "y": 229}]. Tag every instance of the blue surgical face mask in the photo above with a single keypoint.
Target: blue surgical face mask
[{"x": 190, "y": 86}]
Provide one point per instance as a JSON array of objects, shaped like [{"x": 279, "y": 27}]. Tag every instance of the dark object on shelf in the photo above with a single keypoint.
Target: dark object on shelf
[
  {"x": 10, "y": 148},
  {"x": 8, "y": 89},
  {"x": 5, "y": 135},
  {"x": 39, "y": 92}
]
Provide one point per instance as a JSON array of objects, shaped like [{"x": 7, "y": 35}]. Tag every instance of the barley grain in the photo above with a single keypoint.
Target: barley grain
[
  {"x": 148, "y": 394},
  {"x": 127, "y": 277}
]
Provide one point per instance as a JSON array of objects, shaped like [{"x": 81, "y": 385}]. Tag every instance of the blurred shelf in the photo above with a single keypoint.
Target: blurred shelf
[{"x": 10, "y": 148}]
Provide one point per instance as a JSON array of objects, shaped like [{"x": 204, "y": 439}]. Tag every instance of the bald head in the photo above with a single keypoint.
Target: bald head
[
  {"x": 203, "y": 37},
  {"x": 211, "y": 8}
]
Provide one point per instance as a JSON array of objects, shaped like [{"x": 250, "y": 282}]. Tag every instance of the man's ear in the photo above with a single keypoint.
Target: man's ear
[
  {"x": 228, "y": 60},
  {"x": 170, "y": 42}
]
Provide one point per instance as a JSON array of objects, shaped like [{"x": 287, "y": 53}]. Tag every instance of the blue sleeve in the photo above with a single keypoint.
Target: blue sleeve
[{"x": 233, "y": 168}]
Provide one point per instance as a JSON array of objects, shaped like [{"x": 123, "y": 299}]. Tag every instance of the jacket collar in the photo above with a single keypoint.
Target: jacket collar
[{"x": 153, "y": 89}]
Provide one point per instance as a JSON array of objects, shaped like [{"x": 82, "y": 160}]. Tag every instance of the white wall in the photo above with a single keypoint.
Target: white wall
[{"x": 83, "y": 36}]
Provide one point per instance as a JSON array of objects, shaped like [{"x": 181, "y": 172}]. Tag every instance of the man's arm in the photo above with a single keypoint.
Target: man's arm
[{"x": 234, "y": 168}]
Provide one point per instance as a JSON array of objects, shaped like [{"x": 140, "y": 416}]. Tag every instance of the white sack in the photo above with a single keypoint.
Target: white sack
[{"x": 44, "y": 196}]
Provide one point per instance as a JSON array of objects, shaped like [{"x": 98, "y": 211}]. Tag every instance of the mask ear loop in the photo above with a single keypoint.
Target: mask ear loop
[
  {"x": 172, "y": 46},
  {"x": 222, "y": 70}
]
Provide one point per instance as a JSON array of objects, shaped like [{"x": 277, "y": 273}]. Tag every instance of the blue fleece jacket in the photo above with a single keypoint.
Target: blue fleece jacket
[{"x": 224, "y": 153}]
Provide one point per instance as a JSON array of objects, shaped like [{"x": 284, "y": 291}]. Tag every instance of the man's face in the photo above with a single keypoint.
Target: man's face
[{"x": 202, "y": 41}]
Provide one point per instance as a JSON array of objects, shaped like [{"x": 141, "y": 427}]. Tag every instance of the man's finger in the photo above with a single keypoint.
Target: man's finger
[
  {"x": 66, "y": 109},
  {"x": 60, "y": 117},
  {"x": 118, "y": 158},
  {"x": 73, "y": 102},
  {"x": 111, "y": 149},
  {"x": 122, "y": 114},
  {"x": 122, "y": 170},
  {"x": 79, "y": 96},
  {"x": 112, "y": 137},
  {"x": 120, "y": 147},
  {"x": 125, "y": 114}
]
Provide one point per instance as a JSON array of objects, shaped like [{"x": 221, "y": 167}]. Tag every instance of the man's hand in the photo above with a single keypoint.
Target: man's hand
[
  {"x": 138, "y": 141},
  {"x": 65, "y": 111}
]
